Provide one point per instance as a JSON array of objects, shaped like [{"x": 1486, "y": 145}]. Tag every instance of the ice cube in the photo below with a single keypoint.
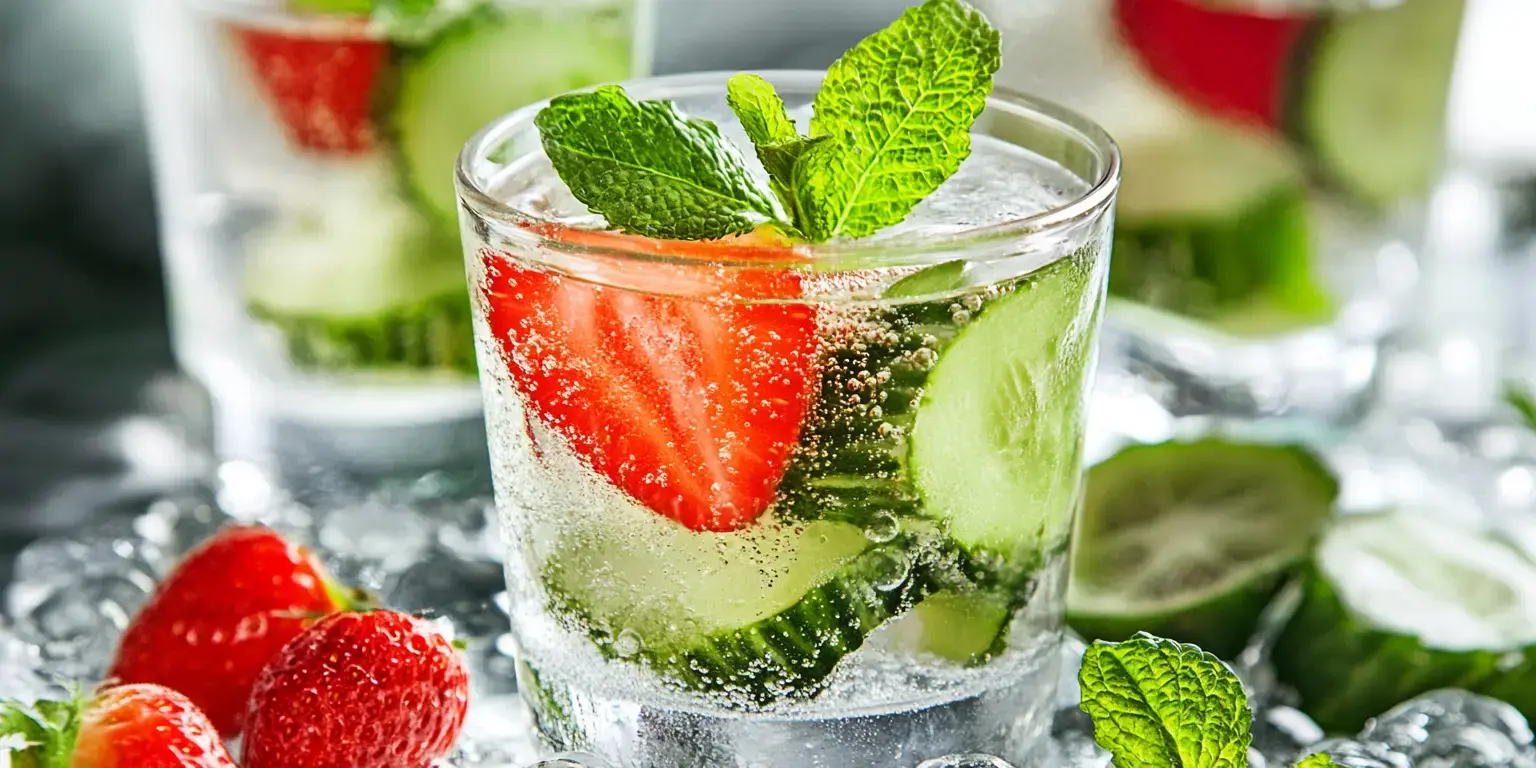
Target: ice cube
[
  {"x": 1068, "y": 693},
  {"x": 462, "y": 592},
  {"x": 1350, "y": 753},
  {"x": 1455, "y": 729},
  {"x": 72, "y": 597},
  {"x": 393, "y": 536},
  {"x": 968, "y": 760},
  {"x": 498, "y": 733},
  {"x": 1283, "y": 734},
  {"x": 1071, "y": 744},
  {"x": 21, "y": 670}
]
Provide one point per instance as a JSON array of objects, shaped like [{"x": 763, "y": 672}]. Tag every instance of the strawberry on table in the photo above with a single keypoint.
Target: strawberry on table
[
  {"x": 685, "y": 395},
  {"x": 319, "y": 84},
  {"x": 142, "y": 726},
  {"x": 359, "y": 690},
  {"x": 221, "y": 615}
]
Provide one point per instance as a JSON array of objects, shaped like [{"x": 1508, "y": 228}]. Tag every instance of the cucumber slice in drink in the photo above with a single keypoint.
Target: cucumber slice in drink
[
  {"x": 1190, "y": 540},
  {"x": 360, "y": 281},
  {"x": 754, "y": 616},
  {"x": 1398, "y": 604},
  {"x": 1214, "y": 224},
  {"x": 1371, "y": 106},
  {"x": 996, "y": 441},
  {"x": 490, "y": 63},
  {"x": 965, "y": 627}
]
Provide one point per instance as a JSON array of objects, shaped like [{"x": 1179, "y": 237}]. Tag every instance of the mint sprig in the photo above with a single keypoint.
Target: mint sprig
[
  {"x": 1319, "y": 760},
  {"x": 892, "y": 122},
  {"x": 1162, "y": 704},
  {"x": 899, "y": 107},
  {"x": 648, "y": 169}
]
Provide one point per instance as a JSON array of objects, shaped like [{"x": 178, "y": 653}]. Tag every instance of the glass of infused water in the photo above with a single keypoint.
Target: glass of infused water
[
  {"x": 786, "y": 425},
  {"x": 1279, "y": 157},
  {"x": 303, "y": 152}
]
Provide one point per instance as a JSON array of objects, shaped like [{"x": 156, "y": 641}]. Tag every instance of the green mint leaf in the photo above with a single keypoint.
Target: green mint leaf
[
  {"x": 647, "y": 169},
  {"x": 1161, "y": 704},
  {"x": 1319, "y": 760},
  {"x": 349, "y": 7},
  {"x": 899, "y": 107},
  {"x": 772, "y": 131},
  {"x": 762, "y": 112},
  {"x": 40, "y": 735}
]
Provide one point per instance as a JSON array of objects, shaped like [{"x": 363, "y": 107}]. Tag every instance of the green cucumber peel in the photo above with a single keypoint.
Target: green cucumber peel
[{"x": 892, "y": 122}]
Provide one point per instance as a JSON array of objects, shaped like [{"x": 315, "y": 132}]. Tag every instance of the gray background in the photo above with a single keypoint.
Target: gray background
[{"x": 81, "y": 305}]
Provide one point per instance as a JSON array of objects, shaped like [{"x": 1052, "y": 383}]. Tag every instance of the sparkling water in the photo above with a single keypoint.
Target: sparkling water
[
  {"x": 607, "y": 595},
  {"x": 1279, "y": 159}
]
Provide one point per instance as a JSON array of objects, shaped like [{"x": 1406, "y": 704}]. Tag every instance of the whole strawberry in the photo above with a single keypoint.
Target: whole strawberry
[
  {"x": 143, "y": 726},
  {"x": 221, "y": 615},
  {"x": 358, "y": 690}
]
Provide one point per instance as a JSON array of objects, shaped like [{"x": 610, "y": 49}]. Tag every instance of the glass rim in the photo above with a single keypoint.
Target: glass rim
[{"x": 858, "y": 253}]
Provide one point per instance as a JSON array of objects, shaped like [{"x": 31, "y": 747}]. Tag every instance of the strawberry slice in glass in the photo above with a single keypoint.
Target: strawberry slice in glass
[
  {"x": 1227, "y": 63},
  {"x": 683, "y": 384}
]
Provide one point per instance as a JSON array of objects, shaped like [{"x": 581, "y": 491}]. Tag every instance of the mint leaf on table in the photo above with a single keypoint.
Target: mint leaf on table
[
  {"x": 899, "y": 107},
  {"x": 1162, "y": 704},
  {"x": 1319, "y": 760},
  {"x": 647, "y": 169}
]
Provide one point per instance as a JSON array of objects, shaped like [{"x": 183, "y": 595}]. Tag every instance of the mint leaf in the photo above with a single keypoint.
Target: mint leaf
[
  {"x": 1522, "y": 401},
  {"x": 899, "y": 107},
  {"x": 647, "y": 169},
  {"x": 350, "y": 7},
  {"x": 1161, "y": 704},
  {"x": 1319, "y": 760},
  {"x": 772, "y": 131},
  {"x": 40, "y": 735}
]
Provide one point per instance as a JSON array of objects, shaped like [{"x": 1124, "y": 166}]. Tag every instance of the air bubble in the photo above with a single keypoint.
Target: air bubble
[
  {"x": 891, "y": 569},
  {"x": 882, "y": 527},
  {"x": 627, "y": 645}
]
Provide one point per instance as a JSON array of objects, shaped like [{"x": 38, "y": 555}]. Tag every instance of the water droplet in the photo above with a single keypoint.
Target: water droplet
[
  {"x": 890, "y": 569},
  {"x": 882, "y": 527},
  {"x": 972, "y": 301},
  {"x": 627, "y": 644},
  {"x": 854, "y": 385}
]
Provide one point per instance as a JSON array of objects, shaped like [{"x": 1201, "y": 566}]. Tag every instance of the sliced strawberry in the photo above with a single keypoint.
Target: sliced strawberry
[
  {"x": 320, "y": 85},
  {"x": 686, "y": 396},
  {"x": 1232, "y": 65}
]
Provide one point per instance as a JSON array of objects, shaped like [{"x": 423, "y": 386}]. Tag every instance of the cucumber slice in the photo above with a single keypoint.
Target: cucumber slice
[
  {"x": 965, "y": 627},
  {"x": 1399, "y": 604},
  {"x": 1372, "y": 103},
  {"x": 1190, "y": 540},
  {"x": 490, "y": 63},
  {"x": 1213, "y": 222},
  {"x": 755, "y": 617},
  {"x": 996, "y": 442},
  {"x": 358, "y": 279}
]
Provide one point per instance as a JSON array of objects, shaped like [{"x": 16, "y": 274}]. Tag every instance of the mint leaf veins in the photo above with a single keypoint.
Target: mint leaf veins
[
  {"x": 1162, "y": 704},
  {"x": 899, "y": 107},
  {"x": 892, "y": 122},
  {"x": 1319, "y": 760},
  {"x": 647, "y": 169}
]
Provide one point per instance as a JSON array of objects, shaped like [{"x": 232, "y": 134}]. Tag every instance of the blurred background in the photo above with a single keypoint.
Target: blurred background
[{"x": 85, "y": 362}]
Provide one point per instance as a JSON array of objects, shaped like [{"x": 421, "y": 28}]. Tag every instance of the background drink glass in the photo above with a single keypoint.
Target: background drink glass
[
  {"x": 1279, "y": 156},
  {"x": 901, "y": 598},
  {"x": 304, "y": 174}
]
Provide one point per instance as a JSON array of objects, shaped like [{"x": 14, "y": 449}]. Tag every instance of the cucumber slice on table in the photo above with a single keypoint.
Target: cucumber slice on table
[
  {"x": 1400, "y": 604},
  {"x": 360, "y": 280},
  {"x": 1213, "y": 223},
  {"x": 1371, "y": 97},
  {"x": 488, "y": 64},
  {"x": 758, "y": 616},
  {"x": 1191, "y": 540}
]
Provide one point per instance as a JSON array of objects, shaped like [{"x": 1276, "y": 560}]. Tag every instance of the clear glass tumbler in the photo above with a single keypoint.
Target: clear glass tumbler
[
  {"x": 304, "y": 169},
  {"x": 772, "y": 504},
  {"x": 1279, "y": 158}
]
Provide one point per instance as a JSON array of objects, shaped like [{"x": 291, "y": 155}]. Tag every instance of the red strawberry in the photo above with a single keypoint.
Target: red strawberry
[
  {"x": 143, "y": 726},
  {"x": 358, "y": 690},
  {"x": 221, "y": 615},
  {"x": 320, "y": 85},
  {"x": 689, "y": 403},
  {"x": 1231, "y": 64}
]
